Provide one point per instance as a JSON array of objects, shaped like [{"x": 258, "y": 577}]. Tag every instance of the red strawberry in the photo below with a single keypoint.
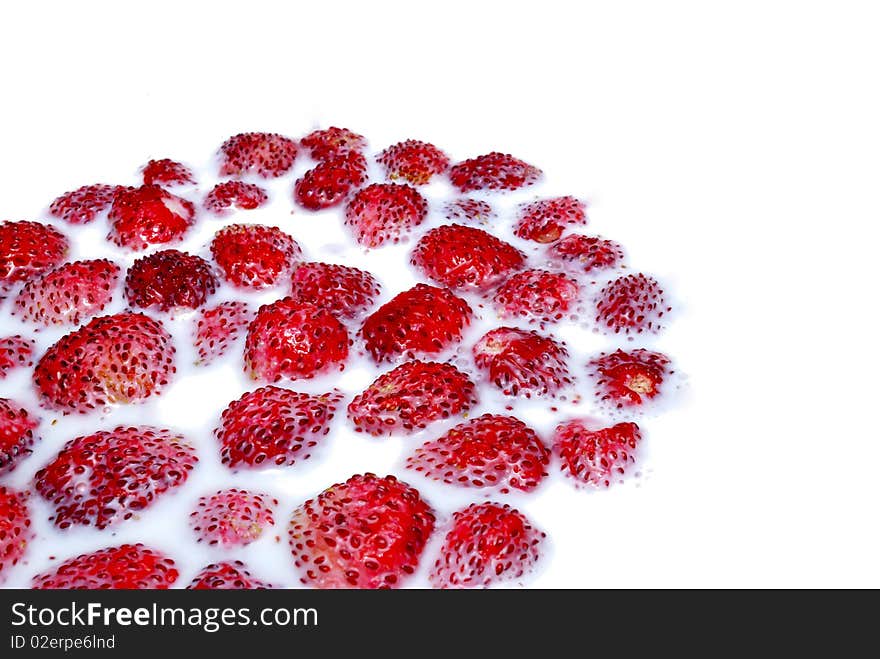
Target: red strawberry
[
  {"x": 544, "y": 220},
  {"x": 522, "y": 363},
  {"x": 219, "y": 326},
  {"x": 294, "y": 339},
  {"x": 28, "y": 249},
  {"x": 595, "y": 457},
  {"x": 586, "y": 253},
  {"x": 170, "y": 279},
  {"x": 274, "y": 426},
  {"x": 148, "y": 215},
  {"x": 486, "y": 544},
  {"x": 331, "y": 181},
  {"x": 226, "y": 576},
  {"x": 537, "y": 295},
  {"x": 232, "y": 517},
  {"x": 241, "y": 195},
  {"x": 15, "y": 527},
  {"x": 113, "y": 359},
  {"x": 466, "y": 209},
  {"x": 17, "y": 427},
  {"x": 69, "y": 294},
  {"x": 464, "y": 257},
  {"x": 629, "y": 379},
  {"x": 385, "y": 212},
  {"x": 631, "y": 304},
  {"x": 494, "y": 171},
  {"x": 344, "y": 290},
  {"x": 126, "y": 567},
  {"x": 410, "y": 397},
  {"x": 421, "y": 321},
  {"x": 413, "y": 161},
  {"x": 82, "y": 205},
  {"x": 490, "y": 451},
  {"x": 15, "y": 352},
  {"x": 254, "y": 256},
  {"x": 368, "y": 532},
  {"x": 331, "y": 142},
  {"x": 268, "y": 155},
  {"x": 166, "y": 171},
  {"x": 111, "y": 476}
]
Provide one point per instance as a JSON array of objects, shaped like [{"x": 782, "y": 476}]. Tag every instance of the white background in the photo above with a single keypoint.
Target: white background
[{"x": 733, "y": 148}]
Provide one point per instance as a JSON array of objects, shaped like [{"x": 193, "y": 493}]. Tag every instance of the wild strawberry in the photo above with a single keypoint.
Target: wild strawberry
[
  {"x": 537, "y": 295},
  {"x": 232, "y": 517},
  {"x": 486, "y": 544},
  {"x": 110, "y": 476},
  {"x": 464, "y": 257},
  {"x": 170, "y": 279},
  {"x": 15, "y": 527},
  {"x": 148, "y": 215},
  {"x": 629, "y": 379},
  {"x": 331, "y": 181},
  {"x": 422, "y": 321},
  {"x": 126, "y": 567},
  {"x": 385, "y": 212},
  {"x": 490, "y": 451},
  {"x": 219, "y": 326},
  {"x": 268, "y": 155},
  {"x": 241, "y": 195},
  {"x": 69, "y": 294},
  {"x": 28, "y": 249},
  {"x": 15, "y": 352},
  {"x": 413, "y": 161},
  {"x": 368, "y": 532},
  {"x": 122, "y": 358},
  {"x": 167, "y": 172},
  {"x": 466, "y": 209},
  {"x": 254, "y": 256},
  {"x": 410, "y": 397},
  {"x": 226, "y": 576},
  {"x": 595, "y": 456},
  {"x": 493, "y": 171},
  {"x": 522, "y": 363},
  {"x": 294, "y": 339},
  {"x": 341, "y": 289},
  {"x": 631, "y": 304},
  {"x": 331, "y": 142},
  {"x": 17, "y": 427},
  {"x": 586, "y": 253},
  {"x": 82, "y": 205},
  {"x": 544, "y": 220},
  {"x": 273, "y": 427}
]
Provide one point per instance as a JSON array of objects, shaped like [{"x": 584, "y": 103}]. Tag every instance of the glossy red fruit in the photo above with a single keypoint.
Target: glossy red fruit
[
  {"x": 466, "y": 209},
  {"x": 345, "y": 291},
  {"x": 110, "y": 476},
  {"x": 15, "y": 527},
  {"x": 544, "y": 220},
  {"x": 327, "y": 143},
  {"x": 490, "y": 451},
  {"x": 226, "y": 576},
  {"x": 268, "y": 155},
  {"x": 522, "y": 363},
  {"x": 272, "y": 427},
  {"x": 410, "y": 397},
  {"x": 82, "y": 205},
  {"x": 15, "y": 352},
  {"x": 413, "y": 161},
  {"x": 597, "y": 456},
  {"x": 368, "y": 532},
  {"x": 166, "y": 172},
  {"x": 385, "y": 213},
  {"x": 28, "y": 249},
  {"x": 493, "y": 171},
  {"x": 126, "y": 567},
  {"x": 148, "y": 215},
  {"x": 169, "y": 280},
  {"x": 632, "y": 304},
  {"x": 255, "y": 256},
  {"x": 585, "y": 253},
  {"x": 17, "y": 427},
  {"x": 629, "y": 379},
  {"x": 234, "y": 194},
  {"x": 487, "y": 543},
  {"x": 232, "y": 518},
  {"x": 537, "y": 295},
  {"x": 218, "y": 327},
  {"x": 331, "y": 181},
  {"x": 463, "y": 257}
]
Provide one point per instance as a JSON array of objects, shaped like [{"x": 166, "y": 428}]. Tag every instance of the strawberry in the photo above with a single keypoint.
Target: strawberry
[
  {"x": 410, "y": 397},
  {"x": 487, "y": 543},
  {"x": 15, "y": 352},
  {"x": 490, "y": 451},
  {"x": 122, "y": 358},
  {"x": 148, "y": 215},
  {"x": 69, "y": 294},
  {"x": 82, "y": 205},
  {"x": 273, "y": 427},
  {"x": 254, "y": 256},
  {"x": 15, "y": 527},
  {"x": 219, "y": 326},
  {"x": 341, "y": 289},
  {"x": 422, "y": 321},
  {"x": 466, "y": 209},
  {"x": 631, "y": 304},
  {"x": 110, "y": 476},
  {"x": 294, "y": 339},
  {"x": 545, "y": 219},
  {"x": 368, "y": 532},
  {"x": 238, "y": 194},
  {"x": 232, "y": 517},
  {"x": 537, "y": 295},
  {"x": 595, "y": 456},
  {"x": 413, "y": 161},
  {"x": 28, "y": 249},
  {"x": 331, "y": 181},
  {"x": 463, "y": 257},
  {"x": 493, "y": 171},
  {"x": 17, "y": 427},
  {"x": 331, "y": 142},
  {"x": 168, "y": 280},
  {"x": 126, "y": 567},
  {"x": 226, "y": 576},
  {"x": 166, "y": 172},
  {"x": 629, "y": 379},
  {"x": 522, "y": 363},
  {"x": 268, "y": 155},
  {"x": 385, "y": 212},
  {"x": 586, "y": 253}
]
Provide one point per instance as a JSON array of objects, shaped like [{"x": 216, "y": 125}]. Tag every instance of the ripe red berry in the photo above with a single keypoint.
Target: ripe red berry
[
  {"x": 493, "y": 171},
  {"x": 255, "y": 256},
  {"x": 28, "y": 249},
  {"x": 413, "y": 161},
  {"x": 238, "y": 194},
  {"x": 166, "y": 172},
  {"x": 232, "y": 518},
  {"x": 15, "y": 527},
  {"x": 544, "y": 220},
  {"x": 331, "y": 181},
  {"x": 17, "y": 427},
  {"x": 631, "y": 304},
  {"x": 385, "y": 212},
  {"x": 15, "y": 352},
  {"x": 537, "y": 295},
  {"x": 522, "y": 363},
  {"x": 168, "y": 280},
  {"x": 268, "y": 155},
  {"x": 595, "y": 457},
  {"x": 218, "y": 327},
  {"x": 586, "y": 253},
  {"x": 328, "y": 143},
  {"x": 82, "y": 205},
  {"x": 466, "y": 209},
  {"x": 226, "y": 576},
  {"x": 629, "y": 379},
  {"x": 126, "y": 567},
  {"x": 148, "y": 215},
  {"x": 341, "y": 289}
]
